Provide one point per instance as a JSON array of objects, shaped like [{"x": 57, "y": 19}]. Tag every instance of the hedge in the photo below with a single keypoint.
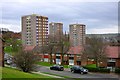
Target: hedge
[
  {"x": 117, "y": 70},
  {"x": 103, "y": 70}
]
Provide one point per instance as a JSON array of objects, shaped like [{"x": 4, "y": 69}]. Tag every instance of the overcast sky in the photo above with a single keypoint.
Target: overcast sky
[{"x": 98, "y": 16}]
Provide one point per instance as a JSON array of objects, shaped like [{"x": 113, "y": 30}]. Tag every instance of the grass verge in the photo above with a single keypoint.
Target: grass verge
[
  {"x": 44, "y": 63},
  {"x": 14, "y": 73},
  {"x": 91, "y": 66}
]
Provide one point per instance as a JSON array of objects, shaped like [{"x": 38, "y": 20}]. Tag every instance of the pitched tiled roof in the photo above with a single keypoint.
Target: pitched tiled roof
[
  {"x": 75, "y": 50},
  {"x": 29, "y": 48},
  {"x": 113, "y": 51}
]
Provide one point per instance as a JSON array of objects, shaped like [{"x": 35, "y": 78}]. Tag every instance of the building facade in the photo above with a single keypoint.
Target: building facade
[
  {"x": 56, "y": 30},
  {"x": 34, "y": 30},
  {"x": 77, "y": 34}
]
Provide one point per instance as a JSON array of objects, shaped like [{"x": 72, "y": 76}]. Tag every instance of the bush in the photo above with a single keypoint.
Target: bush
[
  {"x": 103, "y": 70},
  {"x": 25, "y": 61},
  {"x": 92, "y": 69},
  {"x": 117, "y": 70}
]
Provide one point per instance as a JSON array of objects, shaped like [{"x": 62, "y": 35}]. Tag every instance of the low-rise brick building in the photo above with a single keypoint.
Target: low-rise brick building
[
  {"x": 73, "y": 57},
  {"x": 113, "y": 58},
  {"x": 113, "y": 55}
]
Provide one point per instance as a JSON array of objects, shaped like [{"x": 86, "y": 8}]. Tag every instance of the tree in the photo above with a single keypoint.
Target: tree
[
  {"x": 25, "y": 60},
  {"x": 15, "y": 44},
  {"x": 41, "y": 50},
  {"x": 12, "y": 41},
  {"x": 2, "y": 41},
  {"x": 53, "y": 46},
  {"x": 9, "y": 40},
  {"x": 48, "y": 48},
  {"x": 95, "y": 49},
  {"x": 63, "y": 45}
]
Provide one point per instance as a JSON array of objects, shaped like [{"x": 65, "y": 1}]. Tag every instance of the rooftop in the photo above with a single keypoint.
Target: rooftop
[{"x": 34, "y": 15}]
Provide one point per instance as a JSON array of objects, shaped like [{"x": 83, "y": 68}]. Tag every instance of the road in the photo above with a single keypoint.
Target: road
[{"x": 89, "y": 76}]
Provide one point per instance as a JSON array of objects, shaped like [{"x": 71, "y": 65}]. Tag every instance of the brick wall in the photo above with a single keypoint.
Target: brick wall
[{"x": 117, "y": 62}]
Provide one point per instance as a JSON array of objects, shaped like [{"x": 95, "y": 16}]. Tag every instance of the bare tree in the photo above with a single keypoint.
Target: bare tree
[
  {"x": 25, "y": 60},
  {"x": 49, "y": 48},
  {"x": 40, "y": 50},
  {"x": 63, "y": 45},
  {"x": 53, "y": 46},
  {"x": 95, "y": 49}
]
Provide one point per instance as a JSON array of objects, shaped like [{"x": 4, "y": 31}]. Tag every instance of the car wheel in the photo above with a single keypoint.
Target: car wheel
[
  {"x": 81, "y": 72},
  {"x": 73, "y": 71}
]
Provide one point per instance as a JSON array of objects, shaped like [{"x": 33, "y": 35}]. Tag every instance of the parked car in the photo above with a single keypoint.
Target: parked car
[
  {"x": 78, "y": 69},
  {"x": 57, "y": 67},
  {"x": 9, "y": 62}
]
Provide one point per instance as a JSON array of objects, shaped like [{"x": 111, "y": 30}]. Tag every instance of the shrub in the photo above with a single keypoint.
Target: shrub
[
  {"x": 92, "y": 69},
  {"x": 25, "y": 60},
  {"x": 117, "y": 70},
  {"x": 103, "y": 70}
]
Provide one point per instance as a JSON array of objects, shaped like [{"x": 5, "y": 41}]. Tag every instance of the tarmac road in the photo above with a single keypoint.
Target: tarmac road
[{"x": 89, "y": 76}]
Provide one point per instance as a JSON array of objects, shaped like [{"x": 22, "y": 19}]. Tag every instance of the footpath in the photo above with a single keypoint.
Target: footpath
[{"x": 47, "y": 75}]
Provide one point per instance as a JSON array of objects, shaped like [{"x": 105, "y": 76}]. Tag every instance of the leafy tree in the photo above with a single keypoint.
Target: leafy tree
[
  {"x": 11, "y": 41},
  {"x": 14, "y": 44}
]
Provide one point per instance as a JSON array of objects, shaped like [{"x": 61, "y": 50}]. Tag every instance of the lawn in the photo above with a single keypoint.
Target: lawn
[
  {"x": 48, "y": 64},
  {"x": 0, "y": 72},
  {"x": 91, "y": 65},
  {"x": 14, "y": 73},
  {"x": 44, "y": 63}
]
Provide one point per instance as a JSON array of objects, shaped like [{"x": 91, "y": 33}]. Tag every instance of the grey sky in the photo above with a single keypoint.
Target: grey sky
[{"x": 99, "y": 17}]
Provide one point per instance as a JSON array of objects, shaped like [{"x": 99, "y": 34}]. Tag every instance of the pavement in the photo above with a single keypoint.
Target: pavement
[{"x": 47, "y": 75}]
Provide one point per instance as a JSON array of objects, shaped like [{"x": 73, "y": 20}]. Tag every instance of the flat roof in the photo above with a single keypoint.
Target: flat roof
[{"x": 34, "y": 15}]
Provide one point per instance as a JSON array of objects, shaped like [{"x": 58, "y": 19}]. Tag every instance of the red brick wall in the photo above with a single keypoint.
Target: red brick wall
[
  {"x": 75, "y": 63},
  {"x": 103, "y": 64},
  {"x": 118, "y": 62}
]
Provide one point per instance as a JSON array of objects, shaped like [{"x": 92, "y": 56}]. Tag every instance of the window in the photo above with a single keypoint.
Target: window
[
  {"x": 58, "y": 61},
  {"x": 71, "y": 62}
]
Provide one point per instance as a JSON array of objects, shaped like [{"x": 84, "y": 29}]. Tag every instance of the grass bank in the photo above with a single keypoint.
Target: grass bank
[{"x": 14, "y": 73}]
